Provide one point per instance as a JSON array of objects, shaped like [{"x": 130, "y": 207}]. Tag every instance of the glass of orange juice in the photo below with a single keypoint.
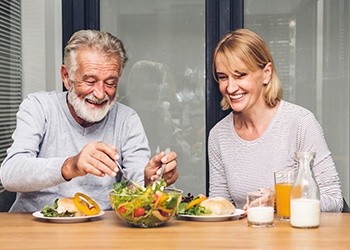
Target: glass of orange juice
[{"x": 283, "y": 185}]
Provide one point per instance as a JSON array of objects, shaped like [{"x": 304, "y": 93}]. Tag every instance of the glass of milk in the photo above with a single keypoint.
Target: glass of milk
[{"x": 260, "y": 209}]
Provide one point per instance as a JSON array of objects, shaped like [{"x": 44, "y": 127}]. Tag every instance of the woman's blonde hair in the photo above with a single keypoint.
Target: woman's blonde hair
[{"x": 245, "y": 46}]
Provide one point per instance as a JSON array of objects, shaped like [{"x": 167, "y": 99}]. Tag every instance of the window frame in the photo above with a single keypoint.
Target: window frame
[{"x": 222, "y": 16}]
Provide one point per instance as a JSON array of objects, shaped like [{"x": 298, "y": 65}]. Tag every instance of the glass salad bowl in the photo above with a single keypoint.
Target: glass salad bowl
[{"x": 145, "y": 208}]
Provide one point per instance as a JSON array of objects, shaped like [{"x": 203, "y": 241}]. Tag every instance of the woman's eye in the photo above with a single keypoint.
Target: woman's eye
[
  {"x": 221, "y": 77},
  {"x": 240, "y": 75}
]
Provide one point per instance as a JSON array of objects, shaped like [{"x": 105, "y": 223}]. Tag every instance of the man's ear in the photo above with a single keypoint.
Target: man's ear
[{"x": 65, "y": 77}]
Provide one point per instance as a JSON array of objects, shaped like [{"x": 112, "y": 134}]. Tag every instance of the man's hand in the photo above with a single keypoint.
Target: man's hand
[
  {"x": 153, "y": 168},
  {"x": 96, "y": 158}
]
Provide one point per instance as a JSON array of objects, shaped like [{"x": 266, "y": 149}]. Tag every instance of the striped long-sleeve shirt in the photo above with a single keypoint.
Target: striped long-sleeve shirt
[{"x": 238, "y": 166}]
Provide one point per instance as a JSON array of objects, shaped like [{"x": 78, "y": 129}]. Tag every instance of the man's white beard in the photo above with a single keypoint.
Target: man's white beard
[{"x": 85, "y": 112}]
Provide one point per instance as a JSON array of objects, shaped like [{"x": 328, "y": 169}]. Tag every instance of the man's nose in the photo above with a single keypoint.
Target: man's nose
[{"x": 99, "y": 90}]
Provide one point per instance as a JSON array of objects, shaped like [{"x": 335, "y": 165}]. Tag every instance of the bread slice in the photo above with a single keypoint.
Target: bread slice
[
  {"x": 219, "y": 206},
  {"x": 67, "y": 204}
]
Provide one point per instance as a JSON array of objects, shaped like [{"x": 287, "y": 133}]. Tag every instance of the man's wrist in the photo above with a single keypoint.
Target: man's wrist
[{"x": 65, "y": 170}]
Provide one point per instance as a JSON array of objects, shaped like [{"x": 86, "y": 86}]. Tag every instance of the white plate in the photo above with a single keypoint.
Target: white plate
[
  {"x": 208, "y": 218},
  {"x": 39, "y": 215}
]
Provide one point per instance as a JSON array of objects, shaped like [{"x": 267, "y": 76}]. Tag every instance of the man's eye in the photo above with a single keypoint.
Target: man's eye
[
  {"x": 90, "y": 82},
  {"x": 110, "y": 85}
]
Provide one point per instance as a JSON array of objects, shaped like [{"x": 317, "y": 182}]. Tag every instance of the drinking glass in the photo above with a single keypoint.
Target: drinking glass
[
  {"x": 283, "y": 185},
  {"x": 260, "y": 209}
]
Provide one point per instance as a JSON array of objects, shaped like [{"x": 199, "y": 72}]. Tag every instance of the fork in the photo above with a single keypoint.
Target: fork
[
  {"x": 137, "y": 185},
  {"x": 167, "y": 151}
]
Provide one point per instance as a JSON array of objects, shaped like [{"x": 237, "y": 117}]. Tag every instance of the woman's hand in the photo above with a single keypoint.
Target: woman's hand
[{"x": 260, "y": 201}]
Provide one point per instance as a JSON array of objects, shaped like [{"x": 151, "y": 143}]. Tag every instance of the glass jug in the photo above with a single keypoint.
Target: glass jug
[{"x": 305, "y": 195}]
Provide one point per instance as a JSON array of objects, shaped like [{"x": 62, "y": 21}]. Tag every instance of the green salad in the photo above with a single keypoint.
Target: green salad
[
  {"x": 48, "y": 211},
  {"x": 190, "y": 205},
  {"x": 145, "y": 208}
]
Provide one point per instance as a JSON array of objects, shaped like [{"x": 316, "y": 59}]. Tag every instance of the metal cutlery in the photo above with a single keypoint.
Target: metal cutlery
[
  {"x": 167, "y": 151},
  {"x": 137, "y": 185}
]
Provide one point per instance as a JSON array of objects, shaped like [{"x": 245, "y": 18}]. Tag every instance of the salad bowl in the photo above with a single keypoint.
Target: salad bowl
[{"x": 151, "y": 207}]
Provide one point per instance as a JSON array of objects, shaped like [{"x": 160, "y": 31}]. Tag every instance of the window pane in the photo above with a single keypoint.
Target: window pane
[
  {"x": 309, "y": 40},
  {"x": 10, "y": 70},
  {"x": 164, "y": 80},
  {"x": 10, "y": 81}
]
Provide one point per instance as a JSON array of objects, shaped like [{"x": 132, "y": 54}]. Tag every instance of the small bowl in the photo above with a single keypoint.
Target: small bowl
[{"x": 147, "y": 209}]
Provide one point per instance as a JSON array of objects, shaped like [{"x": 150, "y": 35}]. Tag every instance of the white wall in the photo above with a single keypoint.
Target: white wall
[{"x": 41, "y": 45}]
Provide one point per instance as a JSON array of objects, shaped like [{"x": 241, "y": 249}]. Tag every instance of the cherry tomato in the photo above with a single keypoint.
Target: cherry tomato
[
  {"x": 139, "y": 212},
  {"x": 121, "y": 210},
  {"x": 155, "y": 197}
]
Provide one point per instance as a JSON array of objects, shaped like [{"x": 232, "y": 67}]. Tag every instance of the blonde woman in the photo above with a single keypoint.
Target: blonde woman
[{"x": 263, "y": 132}]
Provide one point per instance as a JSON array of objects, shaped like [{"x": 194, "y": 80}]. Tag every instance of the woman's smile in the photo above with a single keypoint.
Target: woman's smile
[{"x": 236, "y": 96}]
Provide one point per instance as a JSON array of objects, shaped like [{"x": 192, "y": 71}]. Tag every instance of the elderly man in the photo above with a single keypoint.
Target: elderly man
[{"x": 68, "y": 142}]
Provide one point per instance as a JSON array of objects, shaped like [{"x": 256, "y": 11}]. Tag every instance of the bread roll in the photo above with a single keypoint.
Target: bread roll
[
  {"x": 219, "y": 206},
  {"x": 67, "y": 204}
]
